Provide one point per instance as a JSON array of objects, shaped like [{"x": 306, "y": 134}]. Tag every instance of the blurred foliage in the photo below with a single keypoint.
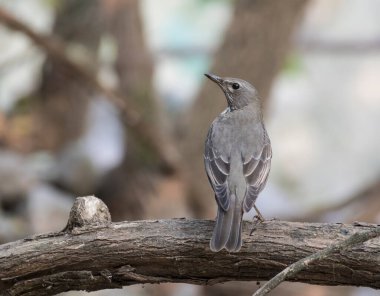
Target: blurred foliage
[
  {"x": 55, "y": 4},
  {"x": 293, "y": 64}
]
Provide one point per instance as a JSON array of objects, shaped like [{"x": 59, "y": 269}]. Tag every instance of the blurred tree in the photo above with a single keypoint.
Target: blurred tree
[
  {"x": 63, "y": 103},
  {"x": 62, "y": 109},
  {"x": 254, "y": 49},
  {"x": 130, "y": 184}
]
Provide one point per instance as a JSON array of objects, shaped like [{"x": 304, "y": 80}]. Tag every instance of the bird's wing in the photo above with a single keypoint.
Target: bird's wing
[
  {"x": 256, "y": 170},
  {"x": 217, "y": 168}
]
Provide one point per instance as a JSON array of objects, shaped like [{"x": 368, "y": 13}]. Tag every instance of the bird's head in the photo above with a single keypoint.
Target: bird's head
[{"x": 239, "y": 93}]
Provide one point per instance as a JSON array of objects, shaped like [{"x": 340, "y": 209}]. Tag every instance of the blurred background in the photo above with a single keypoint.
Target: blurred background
[{"x": 108, "y": 97}]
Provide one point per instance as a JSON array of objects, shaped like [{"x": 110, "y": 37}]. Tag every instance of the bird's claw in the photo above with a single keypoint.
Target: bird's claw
[{"x": 256, "y": 220}]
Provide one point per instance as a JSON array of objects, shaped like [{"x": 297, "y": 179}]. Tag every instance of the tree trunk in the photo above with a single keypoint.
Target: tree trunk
[
  {"x": 129, "y": 186},
  {"x": 63, "y": 100}
]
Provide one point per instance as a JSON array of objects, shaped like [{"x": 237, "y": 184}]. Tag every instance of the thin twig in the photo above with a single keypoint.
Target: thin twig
[
  {"x": 53, "y": 47},
  {"x": 292, "y": 270}
]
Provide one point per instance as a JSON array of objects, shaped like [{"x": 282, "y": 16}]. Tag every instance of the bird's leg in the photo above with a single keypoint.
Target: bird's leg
[{"x": 258, "y": 218}]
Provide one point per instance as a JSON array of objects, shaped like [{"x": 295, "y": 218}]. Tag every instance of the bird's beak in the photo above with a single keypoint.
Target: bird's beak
[{"x": 215, "y": 78}]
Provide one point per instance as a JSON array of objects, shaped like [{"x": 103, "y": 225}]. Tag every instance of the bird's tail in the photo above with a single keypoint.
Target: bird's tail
[{"x": 227, "y": 230}]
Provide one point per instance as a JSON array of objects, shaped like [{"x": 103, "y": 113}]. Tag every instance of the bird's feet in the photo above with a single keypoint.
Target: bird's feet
[
  {"x": 258, "y": 218},
  {"x": 255, "y": 221}
]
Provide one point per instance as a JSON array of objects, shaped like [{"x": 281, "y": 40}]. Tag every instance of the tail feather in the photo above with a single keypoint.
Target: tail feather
[
  {"x": 234, "y": 241},
  {"x": 227, "y": 230}
]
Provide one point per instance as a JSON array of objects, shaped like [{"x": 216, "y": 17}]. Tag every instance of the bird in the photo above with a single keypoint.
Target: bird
[{"x": 237, "y": 160}]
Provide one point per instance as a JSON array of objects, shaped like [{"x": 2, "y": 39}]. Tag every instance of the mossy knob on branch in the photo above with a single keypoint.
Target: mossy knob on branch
[{"x": 88, "y": 211}]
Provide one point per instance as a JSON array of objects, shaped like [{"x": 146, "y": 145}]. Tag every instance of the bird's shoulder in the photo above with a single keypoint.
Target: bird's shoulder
[{"x": 237, "y": 131}]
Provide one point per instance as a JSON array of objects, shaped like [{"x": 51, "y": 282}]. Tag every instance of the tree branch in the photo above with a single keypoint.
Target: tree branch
[
  {"x": 53, "y": 47},
  {"x": 338, "y": 47},
  {"x": 92, "y": 254},
  {"x": 360, "y": 198},
  {"x": 300, "y": 265}
]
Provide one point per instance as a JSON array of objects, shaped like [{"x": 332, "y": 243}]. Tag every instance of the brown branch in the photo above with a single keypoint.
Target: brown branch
[
  {"x": 292, "y": 270},
  {"x": 338, "y": 47},
  {"x": 92, "y": 254},
  {"x": 53, "y": 47},
  {"x": 361, "y": 198}
]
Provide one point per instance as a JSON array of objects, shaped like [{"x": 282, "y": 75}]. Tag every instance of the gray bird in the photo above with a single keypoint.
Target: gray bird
[{"x": 237, "y": 159}]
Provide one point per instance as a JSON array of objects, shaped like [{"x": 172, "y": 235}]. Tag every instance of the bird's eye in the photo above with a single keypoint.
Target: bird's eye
[{"x": 235, "y": 85}]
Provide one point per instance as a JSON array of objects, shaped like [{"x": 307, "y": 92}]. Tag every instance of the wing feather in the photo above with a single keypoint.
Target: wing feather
[
  {"x": 217, "y": 169},
  {"x": 256, "y": 170}
]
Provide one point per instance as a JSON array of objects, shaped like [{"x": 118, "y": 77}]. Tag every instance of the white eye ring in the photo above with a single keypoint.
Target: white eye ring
[{"x": 235, "y": 85}]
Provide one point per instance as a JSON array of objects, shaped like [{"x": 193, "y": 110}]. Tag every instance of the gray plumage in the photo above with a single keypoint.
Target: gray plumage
[{"x": 237, "y": 160}]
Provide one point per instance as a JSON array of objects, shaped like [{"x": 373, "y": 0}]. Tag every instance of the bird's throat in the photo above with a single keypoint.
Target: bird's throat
[{"x": 231, "y": 106}]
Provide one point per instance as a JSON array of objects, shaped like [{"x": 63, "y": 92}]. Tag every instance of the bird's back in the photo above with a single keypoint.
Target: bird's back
[{"x": 237, "y": 136}]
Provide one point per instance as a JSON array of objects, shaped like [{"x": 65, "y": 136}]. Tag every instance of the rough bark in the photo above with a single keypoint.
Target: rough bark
[
  {"x": 255, "y": 49},
  {"x": 94, "y": 257}
]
